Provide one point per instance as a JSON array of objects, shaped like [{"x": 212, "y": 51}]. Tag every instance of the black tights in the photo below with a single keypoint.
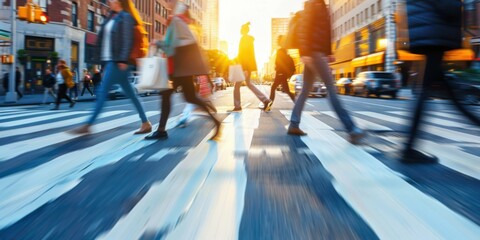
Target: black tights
[{"x": 190, "y": 95}]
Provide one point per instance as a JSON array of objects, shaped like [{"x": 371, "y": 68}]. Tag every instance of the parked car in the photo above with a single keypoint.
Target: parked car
[
  {"x": 117, "y": 91},
  {"x": 220, "y": 83},
  {"x": 344, "y": 86},
  {"x": 376, "y": 82},
  {"x": 295, "y": 84},
  {"x": 466, "y": 87}
]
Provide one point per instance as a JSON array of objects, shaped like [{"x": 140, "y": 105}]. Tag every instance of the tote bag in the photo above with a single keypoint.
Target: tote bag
[
  {"x": 235, "y": 73},
  {"x": 153, "y": 73}
]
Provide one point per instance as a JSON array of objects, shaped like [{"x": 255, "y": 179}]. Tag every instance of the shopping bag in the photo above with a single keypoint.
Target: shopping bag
[
  {"x": 153, "y": 73},
  {"x": 204, "y": 86},
  {"x": 235, "y": 73}
]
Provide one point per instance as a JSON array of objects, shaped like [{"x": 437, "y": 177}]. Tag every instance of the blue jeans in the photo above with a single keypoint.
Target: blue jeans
[
  {"x": 321, "y": 67},
  {"x": 113, "y": 75}
]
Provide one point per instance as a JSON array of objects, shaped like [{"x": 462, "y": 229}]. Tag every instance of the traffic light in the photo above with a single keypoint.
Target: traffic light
[
  {"x": 40, "y": 16},
  {"x": 32, "y": 13}
]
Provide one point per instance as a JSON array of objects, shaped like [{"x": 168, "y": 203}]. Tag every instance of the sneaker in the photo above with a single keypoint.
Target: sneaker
[
  {"x": 182, "y": 123},
  {"x": 356, "y": 136},
  {"x": 268, "y": 105},
  {"x": 415, "y": 156},
  {"x": 296, "y": 131},
  {"x": 157, "y": 135},
  {"x": 72, "y": 104},
  {"x": 239, "y": 109},
  {"x": 85, "y": 129}
]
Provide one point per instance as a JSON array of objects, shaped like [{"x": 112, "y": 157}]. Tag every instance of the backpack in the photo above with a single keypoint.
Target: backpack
[
  {"x": 292, "y": 36},
  {"x": 290, "y": 64},
  {"x": 140, "y": 44}
]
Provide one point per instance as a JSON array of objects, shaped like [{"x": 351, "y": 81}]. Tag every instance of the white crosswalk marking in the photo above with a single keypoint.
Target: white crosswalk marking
[
  {"x": 51, "y": 116},
  {"x": 53, "y": 125},
  {"x": 363, "y": 124},
  {"x": 391, "y": 206},
  {"x": 41, "y": 142},
  {"x": 436, "y": 120},
  {"x": 29, "y": 114}
]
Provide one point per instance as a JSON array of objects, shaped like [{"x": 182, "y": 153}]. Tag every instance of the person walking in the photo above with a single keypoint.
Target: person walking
[
  {"x": 284, "y": 69},
  {"x": 434, "y": 27},
  {"x": 116, "y": 43},
  {"x": 18, "y": 82},
  {"x": 74, "y": 90},
  {"x": 96, "y": 80},
  {"x": 246, "y": 58},
  {"x": 182, "y": 48},
  {"x": 86, "y": 79},
  {"x": 64, "y": 81},
  {"x": 48, "y": 82},
  {"x": 315, "y": 50}
]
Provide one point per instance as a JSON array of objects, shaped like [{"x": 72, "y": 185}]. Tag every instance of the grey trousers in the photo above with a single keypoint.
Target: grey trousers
[
  {"x": 237, "y": 102},
  {"x": 320, "y": 67}
]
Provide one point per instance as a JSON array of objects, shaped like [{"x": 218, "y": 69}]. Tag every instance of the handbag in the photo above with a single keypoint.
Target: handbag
[
  {"x": 153, "y": 73},
  {"x": 235, "y": 73}
]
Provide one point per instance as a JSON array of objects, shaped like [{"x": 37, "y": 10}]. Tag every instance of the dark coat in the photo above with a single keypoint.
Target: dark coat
[
  {"x": 121, "y": 35},
  {"x": 314, "y": 34},
  {"x": 434, "y": 23},
  {"x": 49, "y": 80},
  {"x": 246, "y": 53},
  {"x": 284, "y": 63},
  {"x": 97, "y": 78}
]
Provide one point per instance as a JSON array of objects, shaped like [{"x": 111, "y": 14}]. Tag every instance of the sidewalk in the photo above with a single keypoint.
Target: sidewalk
[{"x": 36, "y": 99}]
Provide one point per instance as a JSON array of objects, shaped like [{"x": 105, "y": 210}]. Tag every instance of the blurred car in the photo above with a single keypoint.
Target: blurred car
[
  {"x": 344, "y": 86},
  {"x": 117, "y": 91},
  {"x": 465, "y": 85},
  {"x": 219, "y": 83},
  {"x": 376, "y": 82},
  {"x": 295, "y": 84}
]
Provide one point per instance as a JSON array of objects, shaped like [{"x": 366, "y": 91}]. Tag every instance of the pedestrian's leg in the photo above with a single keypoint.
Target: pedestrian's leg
[
  {"x": 308, "y": 79},
  {"x": 260, "y": 95},
  {"x": 128, "y": 89},
  {"x": 17, "y": 89},
  {"x": 161, "y": 132},
  {"x": 90, "y": 91},
  {"x": 187, "y": 110},
  {"x": 237, "y": 101},
  {"x": 322, "y": 68},
  {"x": 275, "y": 84},
  {"x": 108, "y": 81},
  {"x": 52, "y": 93},
  {"x": 450, "y": 91},
  {"x": 285, "y": 87},
  {"x": 45, "y": 95}
]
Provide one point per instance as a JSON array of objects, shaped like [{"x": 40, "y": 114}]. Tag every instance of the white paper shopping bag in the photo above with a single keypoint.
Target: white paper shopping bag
[
  {"x": 235, "y": 73},
  {"x": 153, "y": 73}
]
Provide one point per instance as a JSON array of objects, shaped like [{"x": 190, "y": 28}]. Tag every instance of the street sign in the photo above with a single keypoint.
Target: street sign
[{"x": 5, "y": 44}]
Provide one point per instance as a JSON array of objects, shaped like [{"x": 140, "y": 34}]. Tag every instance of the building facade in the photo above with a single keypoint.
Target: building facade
[{"x": 210, "y": 38}]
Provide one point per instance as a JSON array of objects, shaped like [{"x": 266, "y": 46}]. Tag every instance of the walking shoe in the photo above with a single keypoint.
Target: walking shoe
[
  {"x": 415, "y": 156},
  {"x": 157, "y": 135},
  {"x": 296, "y": 131},
  {"x": 267, "y": 105},
  {"x": 85, "y": 129},
  {"x": 145, "y": 128},
  {"x": 356, "y": 136},
  {"x": 182, "y": 123},
  {"x": 218, "y": 130},
  {"x": 72, "y": 104},
  {"x": 237, "y": 109}
]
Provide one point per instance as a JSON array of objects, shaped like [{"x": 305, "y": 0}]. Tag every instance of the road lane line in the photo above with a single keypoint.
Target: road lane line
[
  {"x": 15, "y": 149},
  {"x": 393, "y": 208},
  {"x": 26, "y": 191},
  {"x": 53, "y": 125},
  {"x": 362, "y": 123},
  {"x": 193, "y": 188},
  {"x": 41, "y": 118}
]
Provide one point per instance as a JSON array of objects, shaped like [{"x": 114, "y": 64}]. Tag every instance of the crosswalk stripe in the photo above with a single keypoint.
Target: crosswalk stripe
[
  {"x": 52, "y": 125},
  {"x": 33, "y": 144},
  {"x": 194, "y": 188},
  {"x": 362, "y": 123},
  {"x": 435, "y": 120},
  {"x": 447, "y": 115},
  {"x": 41, "y": 118},
  {"x": 26, "y": 191},
  {"x": 307, "y": 119},
  {"x": 29, "y": 114},
  {"x": 390, "y": 205},
  {"x": 438, "y": 131}
]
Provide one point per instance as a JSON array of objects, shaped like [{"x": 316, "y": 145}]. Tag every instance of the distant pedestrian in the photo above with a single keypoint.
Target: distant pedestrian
[
  {"x": 5, "y": 80},
  {"x": 115, "y": 40},
  {"x": 434, "y": 27},
  {"x": 96, "y": 79},
  {"x": 64, "y": 81},
  {"x": 87, "y": 80},
  {"x": 74, "y": 90},
  {"x": 246, "y": 58},
  {"x": 315, "y": 50},
  {"x": 48, "y": 83},
  {"x": 182, "y": 48},
  {"x": 18, "y": 82},
  {"x": 284, "y": 69}
]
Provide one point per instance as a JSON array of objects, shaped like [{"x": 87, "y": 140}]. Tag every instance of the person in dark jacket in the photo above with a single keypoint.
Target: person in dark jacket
[
  {"x": 246, "y": 58},
  {"x": 49, "y": 82},
  {"x": 315, "y": 50},
  {"x": 434, "y": 27},
  {"x": 18, "y": 82},
  {"x": 284, "y": 69},
  {"x": 116, "y": 43},
  {"x": 96, "y": 79}
]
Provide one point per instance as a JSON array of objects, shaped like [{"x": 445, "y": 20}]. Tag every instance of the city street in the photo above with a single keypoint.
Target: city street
[{"x": 256, "y": 182}]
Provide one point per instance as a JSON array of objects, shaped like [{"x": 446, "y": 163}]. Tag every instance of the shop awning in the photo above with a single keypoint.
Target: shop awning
[
  {"x": 403, "y": 55},
  {"x": 459, "y": 55},
  {"x": 358, "y": 62},
  {"x": 375, "y": 58}
]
